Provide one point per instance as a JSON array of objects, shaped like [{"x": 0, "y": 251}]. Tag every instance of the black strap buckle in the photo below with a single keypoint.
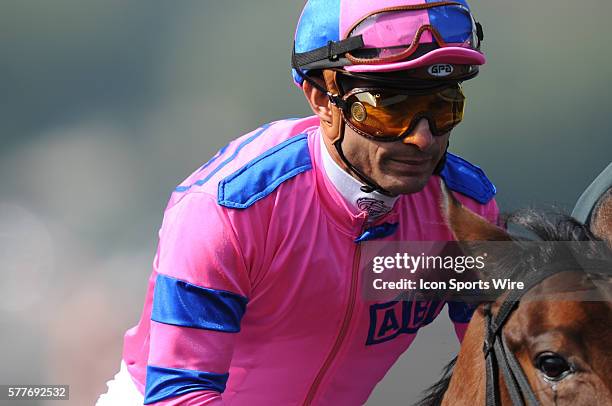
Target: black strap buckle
[
  {"x": 331, "y": 54},
  {"x": 487, "y": 345}
]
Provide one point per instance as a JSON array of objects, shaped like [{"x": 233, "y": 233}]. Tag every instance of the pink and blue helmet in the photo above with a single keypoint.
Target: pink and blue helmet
[{"x": 372, "y": 36}]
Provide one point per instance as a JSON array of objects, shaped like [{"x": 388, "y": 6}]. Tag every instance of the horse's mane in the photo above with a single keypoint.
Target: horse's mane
[
  {"x": 551, "y": 225},
  {"x": 554, "y": 227},
  {"x": 433, "y": 395},
  {"x": 548, "y": 226}
]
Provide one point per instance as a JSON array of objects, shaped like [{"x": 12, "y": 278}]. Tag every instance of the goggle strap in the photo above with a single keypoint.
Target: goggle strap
[
  {"x": 334, "y": 98},
  {"x": 332, "y": 51}
]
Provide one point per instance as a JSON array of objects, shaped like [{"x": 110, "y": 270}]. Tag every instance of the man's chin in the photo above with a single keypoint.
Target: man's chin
[{"x": 405, "y": 185}]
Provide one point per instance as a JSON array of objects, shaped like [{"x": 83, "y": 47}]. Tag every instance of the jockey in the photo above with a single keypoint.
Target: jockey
[{"x": 254, "y": 295}]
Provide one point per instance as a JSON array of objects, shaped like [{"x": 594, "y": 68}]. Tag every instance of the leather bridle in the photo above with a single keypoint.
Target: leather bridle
[{"x": 498, "y": 357}]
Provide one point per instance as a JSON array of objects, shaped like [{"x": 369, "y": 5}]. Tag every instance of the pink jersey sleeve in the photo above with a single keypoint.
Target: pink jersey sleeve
[{"x": 200, "y": 296}]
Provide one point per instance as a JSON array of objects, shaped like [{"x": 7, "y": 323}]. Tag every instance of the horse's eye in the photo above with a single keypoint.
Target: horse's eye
[{"x": 554, "y": 366}]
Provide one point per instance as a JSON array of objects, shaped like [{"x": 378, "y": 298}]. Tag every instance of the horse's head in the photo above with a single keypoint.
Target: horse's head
[{"x": 564, "y": 347}]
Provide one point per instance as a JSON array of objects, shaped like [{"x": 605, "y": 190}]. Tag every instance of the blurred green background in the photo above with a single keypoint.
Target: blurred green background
[{"x": 106, "y": 105}]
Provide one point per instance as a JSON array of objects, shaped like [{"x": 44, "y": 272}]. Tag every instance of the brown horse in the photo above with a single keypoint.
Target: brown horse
[{"x": 562, "y": 349}]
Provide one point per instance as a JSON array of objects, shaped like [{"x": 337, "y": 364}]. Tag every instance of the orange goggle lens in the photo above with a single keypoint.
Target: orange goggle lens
[{"x": 386, "y": 115}]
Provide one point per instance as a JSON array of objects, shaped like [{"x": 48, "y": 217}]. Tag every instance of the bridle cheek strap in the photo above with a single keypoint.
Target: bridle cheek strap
[
  {"x": 496, "y": 351},
  {"x": 492, "y": 389},
  {"x": 519, "y": 375},
  {"x": 498, "y": 355}
]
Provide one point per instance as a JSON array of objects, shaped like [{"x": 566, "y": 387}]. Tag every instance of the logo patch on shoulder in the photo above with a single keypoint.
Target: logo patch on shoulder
[{"x": 441, "y": 70}]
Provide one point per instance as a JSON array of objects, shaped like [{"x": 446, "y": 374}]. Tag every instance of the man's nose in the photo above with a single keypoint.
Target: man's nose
[{"x": 421, "y": 136}]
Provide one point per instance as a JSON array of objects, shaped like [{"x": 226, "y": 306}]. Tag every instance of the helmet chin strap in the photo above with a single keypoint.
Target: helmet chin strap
[
  {"x": 333, "y": 92},
  {"x": 442, "y": 162},
  {"x": 370, "y": 185}
]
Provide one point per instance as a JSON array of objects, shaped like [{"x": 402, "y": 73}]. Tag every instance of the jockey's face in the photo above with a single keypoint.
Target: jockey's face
[{"x": 400, "y": 167}]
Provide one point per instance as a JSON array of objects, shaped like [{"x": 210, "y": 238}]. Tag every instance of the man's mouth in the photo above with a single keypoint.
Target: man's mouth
[
  {"x": 417, "y": 165},
  {"x": 412, "y": 161}
]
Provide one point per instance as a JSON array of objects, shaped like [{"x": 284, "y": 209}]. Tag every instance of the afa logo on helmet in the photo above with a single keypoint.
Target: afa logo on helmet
[{"x": 441, "y": 70}]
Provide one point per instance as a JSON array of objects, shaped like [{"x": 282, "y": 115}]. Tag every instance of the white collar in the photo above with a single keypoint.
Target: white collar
[{"x": 375, "y": 204}]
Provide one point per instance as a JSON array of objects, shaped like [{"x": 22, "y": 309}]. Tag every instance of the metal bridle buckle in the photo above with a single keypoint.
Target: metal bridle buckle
[{"x": 487, "y": 346}]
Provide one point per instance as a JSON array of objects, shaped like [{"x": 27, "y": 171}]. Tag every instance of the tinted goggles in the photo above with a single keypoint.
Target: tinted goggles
[
  {"x": 390, "y": 114},
  {"x": 397, "y": 33}
]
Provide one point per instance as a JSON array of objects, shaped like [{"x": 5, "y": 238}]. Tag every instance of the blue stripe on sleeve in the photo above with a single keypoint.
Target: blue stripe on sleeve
[
  {"x": 164, "y": 383},
  {"x": 181, "y": 303}
]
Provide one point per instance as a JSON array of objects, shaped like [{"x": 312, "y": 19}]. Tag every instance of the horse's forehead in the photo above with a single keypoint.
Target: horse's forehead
[
  {"x": 572, "y": 286},
  {"x": 567, "y": 316}
]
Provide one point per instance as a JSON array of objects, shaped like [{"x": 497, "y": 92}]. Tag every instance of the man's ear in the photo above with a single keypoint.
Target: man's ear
[
  {"x": 601, "y": 217},
  {"x": 318, "y": 101}
]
